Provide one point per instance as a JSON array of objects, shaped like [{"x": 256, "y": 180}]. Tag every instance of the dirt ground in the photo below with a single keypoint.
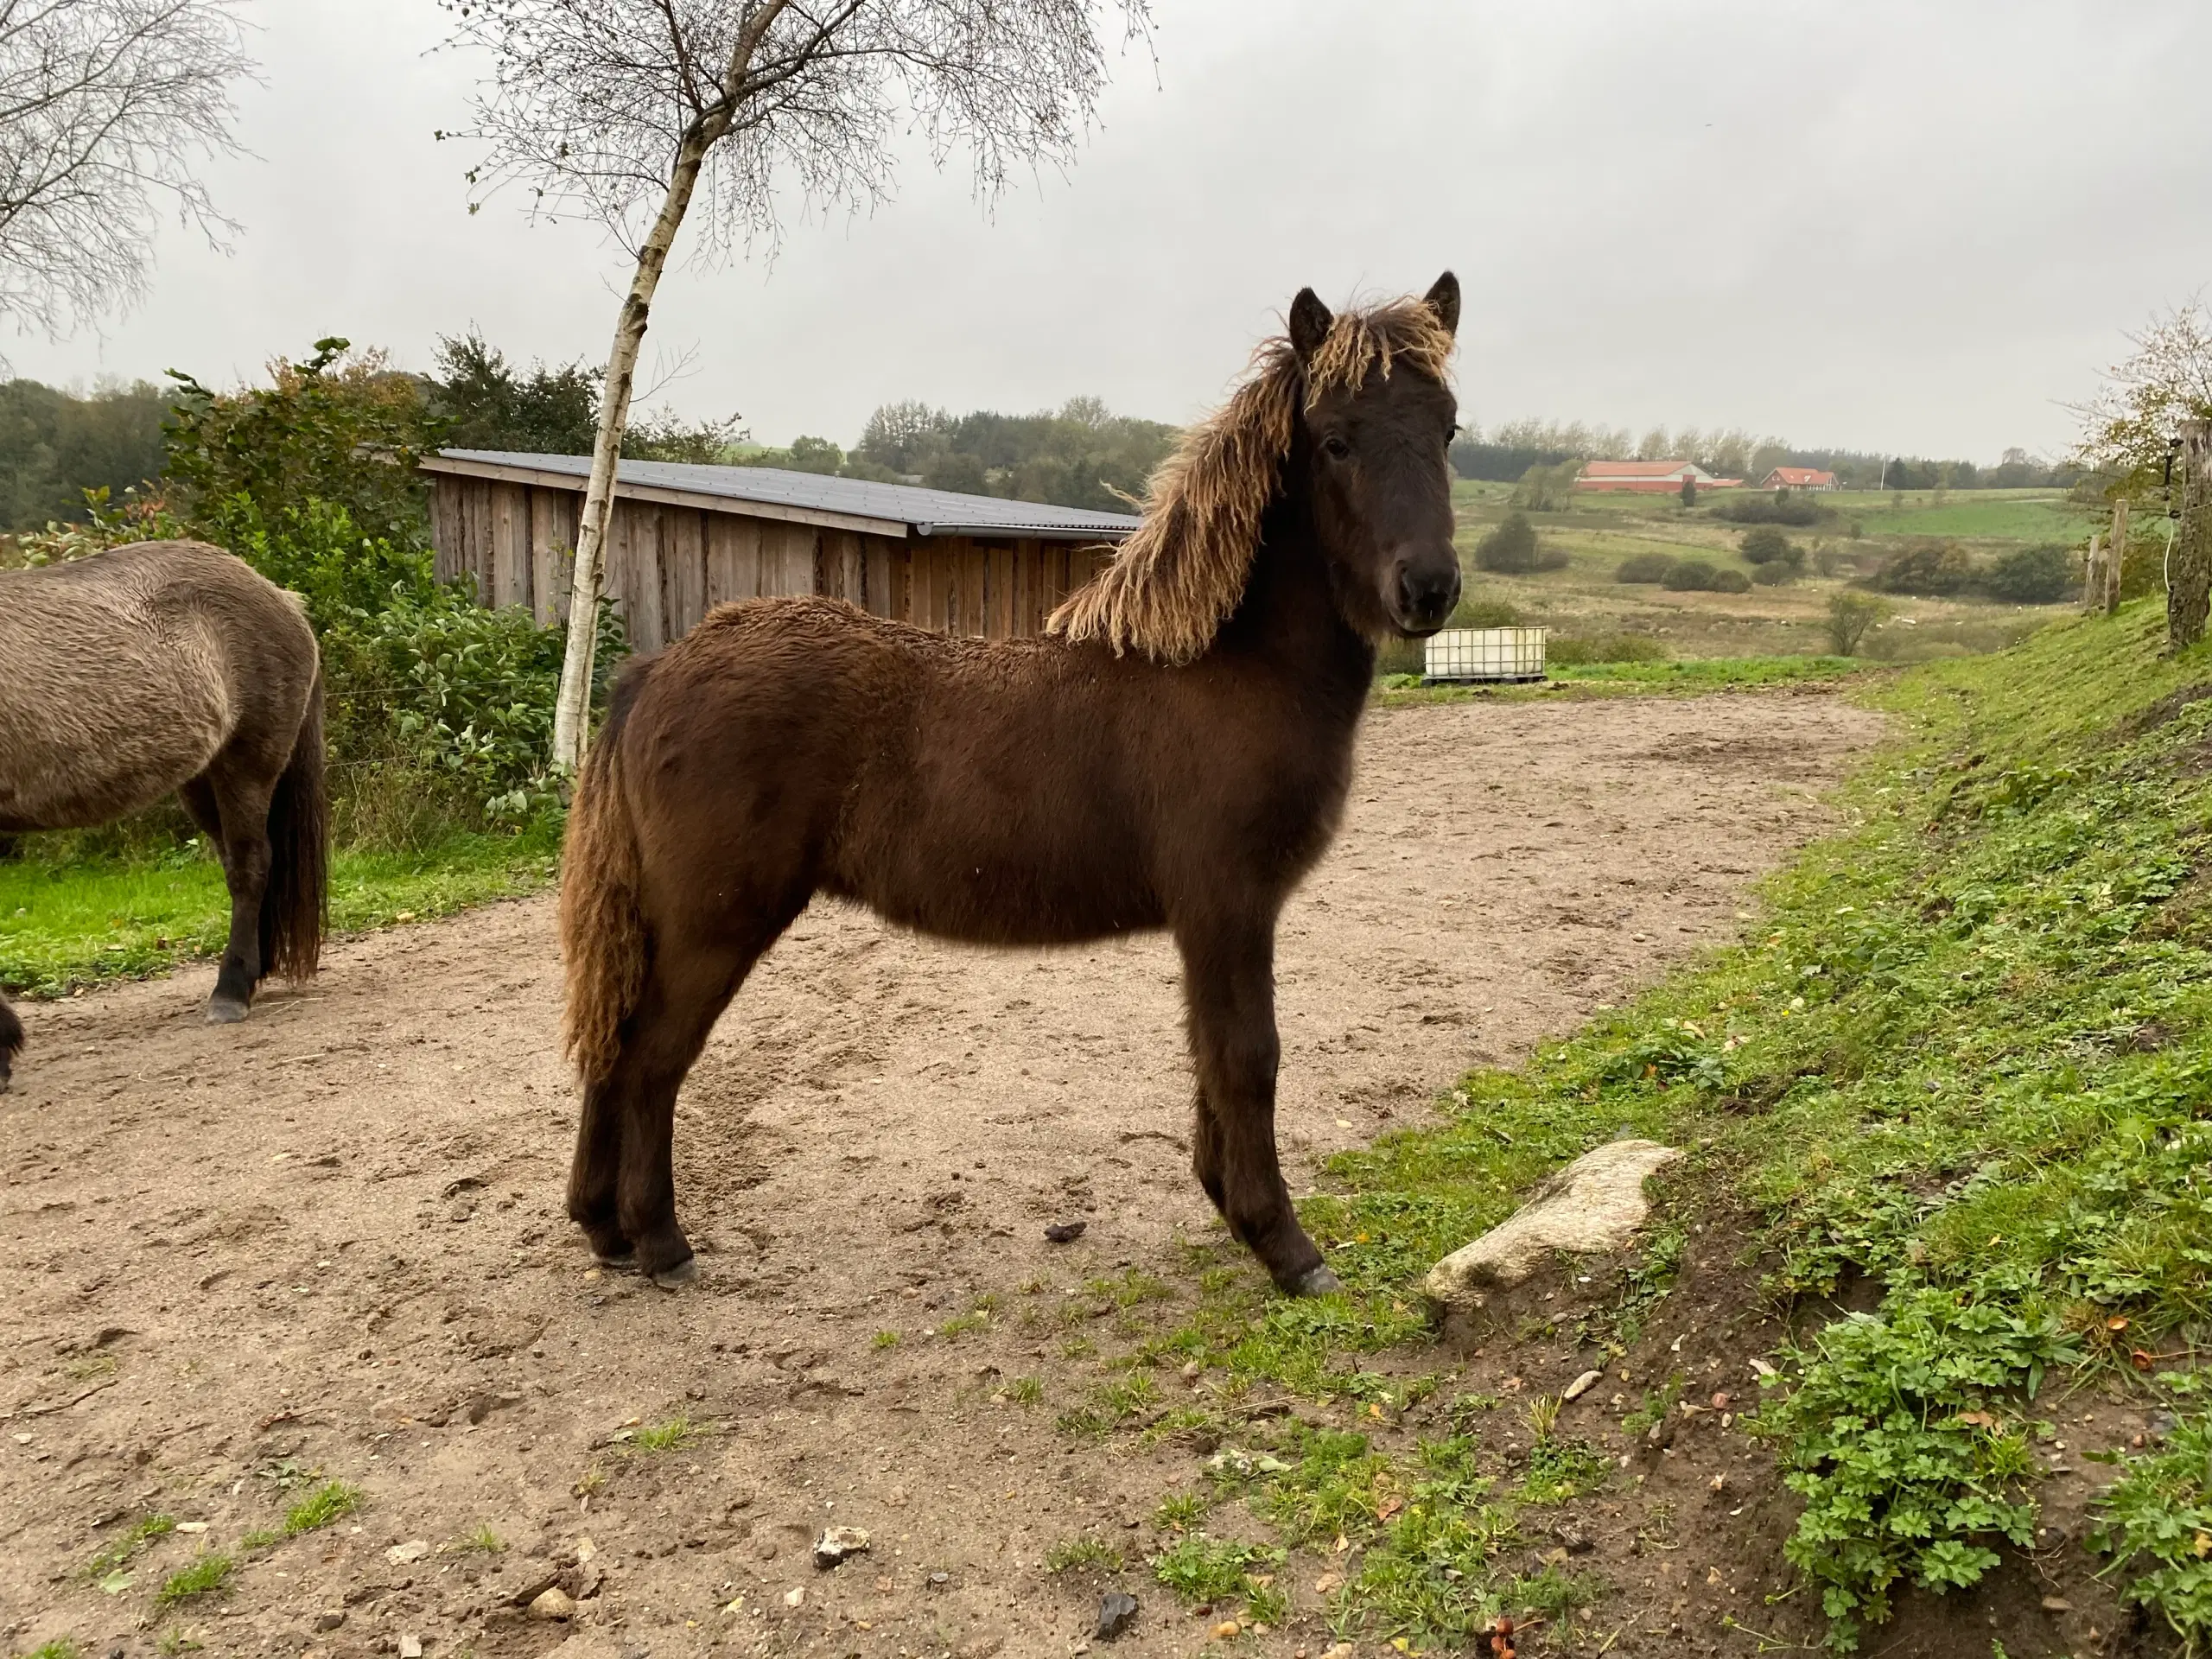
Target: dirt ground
[{"x": 330, "y": 1242}]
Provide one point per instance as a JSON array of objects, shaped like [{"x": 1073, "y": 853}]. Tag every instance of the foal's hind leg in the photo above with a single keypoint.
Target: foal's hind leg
[
  {"x": 622, "y": 1185},
  {"x": 1229, "y": 984},
  {"x": 234, "y": 813}
]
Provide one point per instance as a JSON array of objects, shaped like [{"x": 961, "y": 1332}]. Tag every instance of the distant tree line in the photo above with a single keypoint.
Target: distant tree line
[{"x": 1507, "y": 453}]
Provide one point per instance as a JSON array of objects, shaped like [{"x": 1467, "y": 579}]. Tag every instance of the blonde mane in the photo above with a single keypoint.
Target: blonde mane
[{"x": 1183, "y": 570}]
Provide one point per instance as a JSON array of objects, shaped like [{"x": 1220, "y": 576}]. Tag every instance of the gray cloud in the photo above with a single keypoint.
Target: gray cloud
[{"x": 1902, "y": 225}]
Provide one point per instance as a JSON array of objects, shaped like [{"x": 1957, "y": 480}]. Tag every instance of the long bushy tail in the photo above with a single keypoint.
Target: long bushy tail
[
  {"x": 296, "y": 902},
  {"x": 602, "y": 926}
]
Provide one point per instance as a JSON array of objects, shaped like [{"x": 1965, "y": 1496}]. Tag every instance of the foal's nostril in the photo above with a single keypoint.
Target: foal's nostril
[{"x": 1426, "y": 596}]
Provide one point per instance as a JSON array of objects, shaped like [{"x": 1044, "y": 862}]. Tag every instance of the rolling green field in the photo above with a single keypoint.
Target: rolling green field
[{"x": 1596, "y": 532}]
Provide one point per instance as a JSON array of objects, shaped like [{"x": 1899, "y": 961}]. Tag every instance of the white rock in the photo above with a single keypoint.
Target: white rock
[
  {"x": 554, "y": 1606},
  {"x": 1583, "y": 1385},
  {"x": 1593, "y": 1206},
  {"x": 835, "y": 1543},
  {"x": 410, "y": 1645},
  {"x": 413, "y": 1550}
]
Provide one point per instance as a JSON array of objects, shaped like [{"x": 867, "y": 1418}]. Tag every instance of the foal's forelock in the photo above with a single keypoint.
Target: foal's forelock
[{"x": 1183, "y": 569}]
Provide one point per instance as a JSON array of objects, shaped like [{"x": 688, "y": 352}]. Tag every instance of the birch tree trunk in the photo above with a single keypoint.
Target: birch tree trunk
[{"x": 572, "y": 706}]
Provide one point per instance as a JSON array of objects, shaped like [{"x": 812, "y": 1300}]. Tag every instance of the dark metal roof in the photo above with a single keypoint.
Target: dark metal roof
[{"x": 921, "y": 512}]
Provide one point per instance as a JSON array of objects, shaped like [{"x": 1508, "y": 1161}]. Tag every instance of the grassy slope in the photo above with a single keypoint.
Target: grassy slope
[
  {"x": 66, "y": 924},
  {"x": 1965, "y": 1055}
]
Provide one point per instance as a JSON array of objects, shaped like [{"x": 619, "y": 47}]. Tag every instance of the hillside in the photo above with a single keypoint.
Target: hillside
[{"x": 1933, "y": 1277}]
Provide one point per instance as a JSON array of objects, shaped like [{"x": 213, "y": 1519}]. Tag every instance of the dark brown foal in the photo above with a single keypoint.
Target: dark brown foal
[{"x": 1175, "y": 754}]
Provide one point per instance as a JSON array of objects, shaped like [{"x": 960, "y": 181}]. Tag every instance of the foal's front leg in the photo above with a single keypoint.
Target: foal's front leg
[{"x": 1228, "y": 984}]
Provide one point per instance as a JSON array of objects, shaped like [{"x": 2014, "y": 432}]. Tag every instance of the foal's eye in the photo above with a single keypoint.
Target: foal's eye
[{"x": 1335, "y": 448}]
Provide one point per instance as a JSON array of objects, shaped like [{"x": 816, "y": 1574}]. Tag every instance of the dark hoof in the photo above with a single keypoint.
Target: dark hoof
[
  {"x": 615, "y": 1261},
  {"x": 1316, "y": 1280},
  {"x": 683, "y": 1273},
  {"x": 225, "y": 1011}
]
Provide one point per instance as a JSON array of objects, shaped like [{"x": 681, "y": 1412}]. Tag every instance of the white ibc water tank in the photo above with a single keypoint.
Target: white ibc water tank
[{"x": 1486, "y": 654}]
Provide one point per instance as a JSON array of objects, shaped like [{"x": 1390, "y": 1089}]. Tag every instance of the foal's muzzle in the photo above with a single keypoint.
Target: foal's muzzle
[{"x": 1423, "y": 591}]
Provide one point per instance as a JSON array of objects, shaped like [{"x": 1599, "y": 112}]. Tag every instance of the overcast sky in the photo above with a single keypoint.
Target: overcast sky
[{"x": 1918, "y": 226}]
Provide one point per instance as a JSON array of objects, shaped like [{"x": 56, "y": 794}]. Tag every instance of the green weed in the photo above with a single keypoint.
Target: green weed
[
  {"x": 483, "y": 1541},
  {"x": 1181, "y": 1511},
  {"x": 2156, "y": 1523},
  {"x": 883, "y": 1339},
  {"x": 329, "y": 1502},
  {"x": 1025, "y": 1390},
  {"x": 664, "y": 1436},
  {"x": 1086, "y": 1553},
  {"x": 1200, "y": 1568},
  {"x": 208, "y": 1576},
  {"x": 117, "y": 1553}
]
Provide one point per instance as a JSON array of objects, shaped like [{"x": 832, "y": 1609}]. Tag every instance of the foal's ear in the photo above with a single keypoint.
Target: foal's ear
[
  {"x": 1443, "y": 298},
  {"x": 1309, "y": 323}
]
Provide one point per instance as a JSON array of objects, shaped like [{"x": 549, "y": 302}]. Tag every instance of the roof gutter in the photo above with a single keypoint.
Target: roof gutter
[{"x": 1102, "y": 536}]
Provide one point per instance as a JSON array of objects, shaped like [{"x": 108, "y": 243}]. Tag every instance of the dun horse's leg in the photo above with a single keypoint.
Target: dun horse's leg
[
  {"x": 11, "y": 1041},
  {"x": 235, "y": 815},
  {"x": 1228, "y": 981}
]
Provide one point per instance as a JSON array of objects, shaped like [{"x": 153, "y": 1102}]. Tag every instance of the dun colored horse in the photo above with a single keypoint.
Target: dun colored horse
[
  {"x": 172, "y": 666},
  {"x": 1174, "y": 753}
]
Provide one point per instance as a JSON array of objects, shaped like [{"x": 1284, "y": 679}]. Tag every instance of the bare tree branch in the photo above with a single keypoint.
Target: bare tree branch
[
  {"x": 635, "y": 113},
  {"x": 106, "y": 106}
]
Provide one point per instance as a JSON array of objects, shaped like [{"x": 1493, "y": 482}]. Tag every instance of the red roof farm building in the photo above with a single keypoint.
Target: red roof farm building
[
  {"x": 1649, "y": 476},
  {"x": 1798, "y": 478}
]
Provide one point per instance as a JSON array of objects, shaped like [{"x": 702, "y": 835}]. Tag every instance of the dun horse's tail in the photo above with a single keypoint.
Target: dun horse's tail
[
  {"x": 295, "y": 902},
  {"x": 602, "y": 926}
]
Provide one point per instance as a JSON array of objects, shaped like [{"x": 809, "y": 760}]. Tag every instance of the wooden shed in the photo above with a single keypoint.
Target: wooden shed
[{"x": 683, "y": 538}]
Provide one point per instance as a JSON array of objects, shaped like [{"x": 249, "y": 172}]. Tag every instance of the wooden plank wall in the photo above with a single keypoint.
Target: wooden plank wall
[{"x": 667, "y": 566}]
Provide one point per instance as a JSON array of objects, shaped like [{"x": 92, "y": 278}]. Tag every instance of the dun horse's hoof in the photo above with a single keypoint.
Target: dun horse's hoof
[
  {"x": 225, "y": 1011},
  {"x": 683, "y": 1273},
  {"x": 615, "y": 1261},
  {"x": 1316, "y": 1280}
]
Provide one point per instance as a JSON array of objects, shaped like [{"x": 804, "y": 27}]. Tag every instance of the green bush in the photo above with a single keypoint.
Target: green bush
[
  {"x": 1511, "y": 548},
  {"x": 1731, "y": 582},
  {"x": 1782, "y": 507},
  {"x": 1690, "y": 576},
  {"x": 314, "y": 549},
  {"x": 1931, "y": 570},
  {"x": 1775, "y": 573},
  {"x": 1643, "y": 568},
  {"x": 1851, "y": 618},
  {"x": 1764, "y": 544},
  {"x": 2035, "y": 576},
  {"x": 442, "y": 696},
  {"x": 1474, "y": 613},
  {"x": 347, "y": 432}
]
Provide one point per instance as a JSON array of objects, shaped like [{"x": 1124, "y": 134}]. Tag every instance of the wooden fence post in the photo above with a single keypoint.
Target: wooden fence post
[
  {"x": 2189, "y": 592},
  {"x": 2093, "y": 571},
  {"x": 2115, "y": 557}
]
